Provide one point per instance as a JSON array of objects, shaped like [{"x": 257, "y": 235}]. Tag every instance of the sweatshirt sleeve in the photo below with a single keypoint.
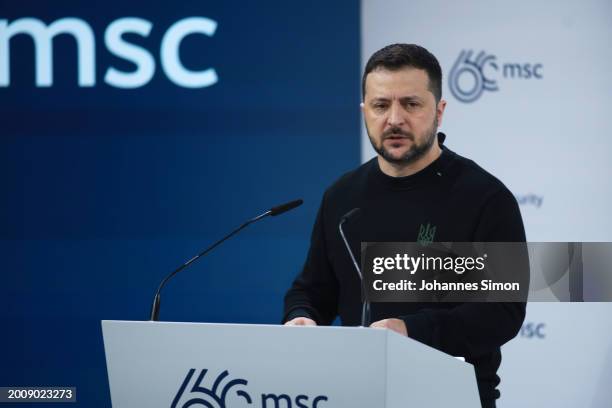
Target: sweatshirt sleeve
[
  {"x": 473, "y": 329},
  {"x": 314, "y": 293}
]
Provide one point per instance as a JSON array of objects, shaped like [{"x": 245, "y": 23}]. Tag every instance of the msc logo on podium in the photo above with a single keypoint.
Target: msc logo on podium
[
  {"x": 192, "y": 393},
  {"x": 471, "y": 76},
  {"x": 215, "y": 397}
]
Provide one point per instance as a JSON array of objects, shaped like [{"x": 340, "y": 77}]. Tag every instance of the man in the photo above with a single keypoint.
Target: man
[{"x": 415, "y": 184}]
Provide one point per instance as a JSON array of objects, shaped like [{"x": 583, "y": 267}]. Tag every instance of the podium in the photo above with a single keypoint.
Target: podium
[{"x": 180, "y": 365}]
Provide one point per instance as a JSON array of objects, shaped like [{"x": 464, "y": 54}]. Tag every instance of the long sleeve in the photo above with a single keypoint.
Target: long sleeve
[
  {"x": 474, "y": 329},
  {"x": 314, "y": 293}
]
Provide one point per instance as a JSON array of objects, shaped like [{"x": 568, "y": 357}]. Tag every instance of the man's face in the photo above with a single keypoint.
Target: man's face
[{"x": 401, "y": 114}]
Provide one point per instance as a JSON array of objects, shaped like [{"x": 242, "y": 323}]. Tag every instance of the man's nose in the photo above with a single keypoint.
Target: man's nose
[{"x": 395, "y": 115}]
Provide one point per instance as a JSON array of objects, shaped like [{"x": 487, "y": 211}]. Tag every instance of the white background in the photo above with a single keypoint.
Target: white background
[{"x": 547, "y": 137}]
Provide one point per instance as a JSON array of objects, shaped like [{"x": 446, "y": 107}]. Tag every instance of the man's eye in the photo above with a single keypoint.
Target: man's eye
[{"x": 379, "y": 106}]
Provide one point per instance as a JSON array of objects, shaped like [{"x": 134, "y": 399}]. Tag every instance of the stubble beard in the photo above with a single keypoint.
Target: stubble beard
[{"x": 416, "y": 151}]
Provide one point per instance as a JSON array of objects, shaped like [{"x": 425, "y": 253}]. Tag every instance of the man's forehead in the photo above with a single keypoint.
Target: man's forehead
[{"x": 403, "y": 82}]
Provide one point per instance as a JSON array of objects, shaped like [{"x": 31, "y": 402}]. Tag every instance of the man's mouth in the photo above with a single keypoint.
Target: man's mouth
[{"x": 396, "y": 136}]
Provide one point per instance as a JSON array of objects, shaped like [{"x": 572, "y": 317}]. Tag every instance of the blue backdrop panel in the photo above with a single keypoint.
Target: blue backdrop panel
[{"x": 106, "y": 190}]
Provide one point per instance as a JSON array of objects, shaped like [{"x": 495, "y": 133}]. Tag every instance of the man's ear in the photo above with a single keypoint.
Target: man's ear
[{"x": 440, "y": 111}]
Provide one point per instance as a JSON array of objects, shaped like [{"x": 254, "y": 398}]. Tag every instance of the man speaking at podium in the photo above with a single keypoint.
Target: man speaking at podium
[{"x": 415, "y": 189}]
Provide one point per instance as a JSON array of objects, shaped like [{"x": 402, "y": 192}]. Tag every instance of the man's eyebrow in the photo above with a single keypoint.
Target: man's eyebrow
[
  {"x": 380, "y": 99},
  {"x": 408, "y": 98},
  {"x": 411, "y": 98}
]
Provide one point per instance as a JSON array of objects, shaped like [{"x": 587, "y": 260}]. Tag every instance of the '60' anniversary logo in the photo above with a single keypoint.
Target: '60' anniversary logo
[
  {"x": 226, "y": 393},
  {"x": 472, "y": 75}
]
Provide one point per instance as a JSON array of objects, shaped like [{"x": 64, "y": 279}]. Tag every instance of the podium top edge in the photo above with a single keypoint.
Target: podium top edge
[{"x": 242, "y": 325}]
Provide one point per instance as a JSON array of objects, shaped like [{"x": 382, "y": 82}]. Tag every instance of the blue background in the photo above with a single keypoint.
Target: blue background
[{"x": 107, "y": 190}]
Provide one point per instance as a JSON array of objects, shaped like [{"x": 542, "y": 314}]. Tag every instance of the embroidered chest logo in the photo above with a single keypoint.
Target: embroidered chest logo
[{"x": 426, "y": 234}]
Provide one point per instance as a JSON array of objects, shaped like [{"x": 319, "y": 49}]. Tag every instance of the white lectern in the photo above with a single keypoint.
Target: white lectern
[{"x": 180, "y": 365}]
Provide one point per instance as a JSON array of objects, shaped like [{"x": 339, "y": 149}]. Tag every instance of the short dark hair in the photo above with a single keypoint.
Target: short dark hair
[{"x": 397, "y": 56}]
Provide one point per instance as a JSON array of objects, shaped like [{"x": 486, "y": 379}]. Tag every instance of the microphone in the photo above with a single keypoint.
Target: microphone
[
  {"x": 274, "y": 211},
  {"x": 279, "y": 209},
  {"x": 575, "y": 269},
  {"x": 350, "y": 214},
  {"x": 365, "y": 309}
]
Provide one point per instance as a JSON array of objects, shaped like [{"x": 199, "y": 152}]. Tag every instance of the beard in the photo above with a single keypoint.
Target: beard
[{"x": 416, "y": 151}]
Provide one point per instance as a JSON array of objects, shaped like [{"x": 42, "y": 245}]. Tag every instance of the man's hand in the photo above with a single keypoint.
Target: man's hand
[
  {"x": 301, "y": 321},
  {"x": 396, "y": 325}
]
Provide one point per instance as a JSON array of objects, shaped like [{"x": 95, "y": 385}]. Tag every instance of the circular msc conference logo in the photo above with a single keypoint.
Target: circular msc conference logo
[
  {"x": 471, "y": 75},
  {"x": 214, "y": 396},
  {"x": 467, "y": 80},
  {"x": 224, "y": 392}
]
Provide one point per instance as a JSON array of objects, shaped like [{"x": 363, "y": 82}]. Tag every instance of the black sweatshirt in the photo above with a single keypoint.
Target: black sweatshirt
[{"x": 464, "y": 203}]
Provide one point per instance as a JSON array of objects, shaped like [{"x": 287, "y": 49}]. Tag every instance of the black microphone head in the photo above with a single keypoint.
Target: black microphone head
[
  {"x": 350, "y": 214},
  {"x": 279, "y": 209}
]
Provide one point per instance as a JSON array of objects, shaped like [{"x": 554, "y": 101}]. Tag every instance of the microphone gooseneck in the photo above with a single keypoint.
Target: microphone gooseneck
[
  {"x": 271, "y": 212},
  {"x": 365, "y": 309}
]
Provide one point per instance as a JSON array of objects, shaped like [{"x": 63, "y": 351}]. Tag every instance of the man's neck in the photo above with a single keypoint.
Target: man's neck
[{"x": 403, "y": 170}]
